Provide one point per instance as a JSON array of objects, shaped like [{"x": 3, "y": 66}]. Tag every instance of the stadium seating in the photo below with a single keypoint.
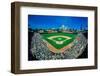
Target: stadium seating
[{"x": 41, "y": 51}]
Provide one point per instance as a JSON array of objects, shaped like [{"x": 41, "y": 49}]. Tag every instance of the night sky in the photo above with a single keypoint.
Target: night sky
[{"x": 49, "y": 21}]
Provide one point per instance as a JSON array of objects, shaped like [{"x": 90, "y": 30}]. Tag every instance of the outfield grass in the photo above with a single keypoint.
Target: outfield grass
[{"x": 59, "y": 39}]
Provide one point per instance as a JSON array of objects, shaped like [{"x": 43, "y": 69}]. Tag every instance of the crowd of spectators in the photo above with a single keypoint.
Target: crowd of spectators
[{"x": 40, "y": 50}]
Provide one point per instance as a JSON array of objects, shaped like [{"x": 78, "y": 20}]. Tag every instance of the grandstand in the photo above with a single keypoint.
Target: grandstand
[{"x": 42, "y": 52}]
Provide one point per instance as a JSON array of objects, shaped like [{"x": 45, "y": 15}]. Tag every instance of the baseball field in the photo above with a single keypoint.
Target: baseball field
[{"x": 59, "y": 40}]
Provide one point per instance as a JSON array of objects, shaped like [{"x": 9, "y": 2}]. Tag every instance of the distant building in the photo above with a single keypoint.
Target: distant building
[
  {"x": 63, "y": 27},
  {"x": 41, "y": 31}
]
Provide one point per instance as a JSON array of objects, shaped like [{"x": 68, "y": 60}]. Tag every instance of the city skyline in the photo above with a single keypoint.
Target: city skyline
[{"x": 55, "y": 22}]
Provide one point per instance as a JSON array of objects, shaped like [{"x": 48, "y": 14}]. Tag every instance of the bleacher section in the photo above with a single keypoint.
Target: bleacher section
[{"x": 40, "y": 50}]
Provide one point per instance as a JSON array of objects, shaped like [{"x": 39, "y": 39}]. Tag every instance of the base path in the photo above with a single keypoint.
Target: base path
[{"x": 53, "y": 49}]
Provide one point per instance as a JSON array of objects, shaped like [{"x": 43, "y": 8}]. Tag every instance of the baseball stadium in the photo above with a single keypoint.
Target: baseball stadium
[{"x": 57, "y": 37}]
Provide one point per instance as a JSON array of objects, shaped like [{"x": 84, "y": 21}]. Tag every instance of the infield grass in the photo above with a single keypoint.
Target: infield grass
[{"x": 59, "y": 40}]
